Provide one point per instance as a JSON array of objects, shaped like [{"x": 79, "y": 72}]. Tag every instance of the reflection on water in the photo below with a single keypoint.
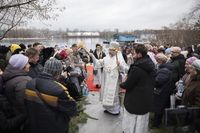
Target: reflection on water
[{"x": 89, "y": 42}]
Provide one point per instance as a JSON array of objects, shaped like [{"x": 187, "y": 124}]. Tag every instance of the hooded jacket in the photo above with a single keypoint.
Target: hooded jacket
[
  {"x": 15, "y": 83},
  {"x": 139, "y": 86}
]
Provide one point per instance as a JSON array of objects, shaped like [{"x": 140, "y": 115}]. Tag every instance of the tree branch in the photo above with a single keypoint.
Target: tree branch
[{"x": 16, "y": 5}]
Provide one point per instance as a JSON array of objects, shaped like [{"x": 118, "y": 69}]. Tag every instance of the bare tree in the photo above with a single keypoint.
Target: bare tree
[{"x": 17, "y": 12}]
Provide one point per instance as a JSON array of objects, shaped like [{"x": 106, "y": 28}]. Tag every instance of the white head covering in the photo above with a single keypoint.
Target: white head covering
[
  {"x": 114, "y": 45},
  {"x": 196, "y": 64}
]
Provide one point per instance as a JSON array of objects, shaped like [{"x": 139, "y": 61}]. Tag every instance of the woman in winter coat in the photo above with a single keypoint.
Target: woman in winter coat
[
  {"x": 15, "y": 79},
  {"x": 188, "y": 64},
  {"x": 162, "y": 88},
  {"x": 191, "y": 95}
]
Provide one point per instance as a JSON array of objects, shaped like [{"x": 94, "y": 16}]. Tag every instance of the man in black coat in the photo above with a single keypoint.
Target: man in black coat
[{"x": 139, "y": 87}]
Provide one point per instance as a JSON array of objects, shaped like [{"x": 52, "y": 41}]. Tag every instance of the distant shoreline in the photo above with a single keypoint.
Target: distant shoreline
[
  {"x": 69, "y": 37},
  {"x": 8, "y": 39}
]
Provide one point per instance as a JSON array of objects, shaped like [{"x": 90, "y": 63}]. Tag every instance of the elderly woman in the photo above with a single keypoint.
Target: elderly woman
[
  {"x": 162, "y": 88},
  {"x": 191, "y": 95},
  {"x": 186, "y": 77},
  {"x": 188, "y": 65}
]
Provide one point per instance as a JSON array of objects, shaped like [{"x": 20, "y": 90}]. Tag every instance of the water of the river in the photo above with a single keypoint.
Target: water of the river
[{"x": 89, "y": 42}]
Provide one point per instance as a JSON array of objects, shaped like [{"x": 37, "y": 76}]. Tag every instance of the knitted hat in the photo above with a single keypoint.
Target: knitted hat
[
  {"x": 191, "y": 60},
  {"x": 196, "y": 64},
  {"x": 13, "y": 47},
  {"x": 53, "y": 67},
  {"x": 18, "y": 61}
]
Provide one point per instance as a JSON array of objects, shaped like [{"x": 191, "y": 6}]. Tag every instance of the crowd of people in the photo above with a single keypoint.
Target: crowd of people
[
  {"x": 39, "y": 86},
  {"x": 150, "y": 75},
  {"x": 156, "y": 74}
]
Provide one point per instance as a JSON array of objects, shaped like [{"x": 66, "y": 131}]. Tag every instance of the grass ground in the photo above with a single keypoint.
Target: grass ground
[{"x": 161, "y": 129}]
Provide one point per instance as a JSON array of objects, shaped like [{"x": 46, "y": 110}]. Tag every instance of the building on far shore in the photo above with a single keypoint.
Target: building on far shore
[{"x": 83, "y": 34}]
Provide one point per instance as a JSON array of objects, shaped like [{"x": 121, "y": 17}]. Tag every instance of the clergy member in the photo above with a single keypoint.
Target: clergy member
[{"x": 112, "y": 65}]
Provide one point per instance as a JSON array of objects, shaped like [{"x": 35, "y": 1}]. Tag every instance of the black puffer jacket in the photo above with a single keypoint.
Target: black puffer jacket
[
  {"x": 15, "y": 83},
  {"x": 163, "y": 86},
  {"x": 139, "y": 86}
]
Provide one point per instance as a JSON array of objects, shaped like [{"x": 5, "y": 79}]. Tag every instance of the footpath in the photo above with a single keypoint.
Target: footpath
[{"x": 105, "y": 124}]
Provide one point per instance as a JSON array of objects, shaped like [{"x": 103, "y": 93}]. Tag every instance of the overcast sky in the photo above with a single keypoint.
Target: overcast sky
[{"x": 121, "y": 14}]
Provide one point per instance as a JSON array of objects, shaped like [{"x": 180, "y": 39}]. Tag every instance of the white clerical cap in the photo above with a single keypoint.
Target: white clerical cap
[{"x": 114, "y": 45}]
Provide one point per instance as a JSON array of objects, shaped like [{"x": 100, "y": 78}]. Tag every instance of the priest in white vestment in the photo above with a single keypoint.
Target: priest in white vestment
[{"x": 113, "y": 64}]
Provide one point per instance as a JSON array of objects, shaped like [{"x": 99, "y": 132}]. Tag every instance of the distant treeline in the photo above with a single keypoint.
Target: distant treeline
[{"x": 165, "y": 36}]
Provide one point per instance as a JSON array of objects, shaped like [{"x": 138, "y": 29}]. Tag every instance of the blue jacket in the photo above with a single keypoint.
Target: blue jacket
[
  {"x": 163, "y": 86},
  {"x": 49, "y": 106}
]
